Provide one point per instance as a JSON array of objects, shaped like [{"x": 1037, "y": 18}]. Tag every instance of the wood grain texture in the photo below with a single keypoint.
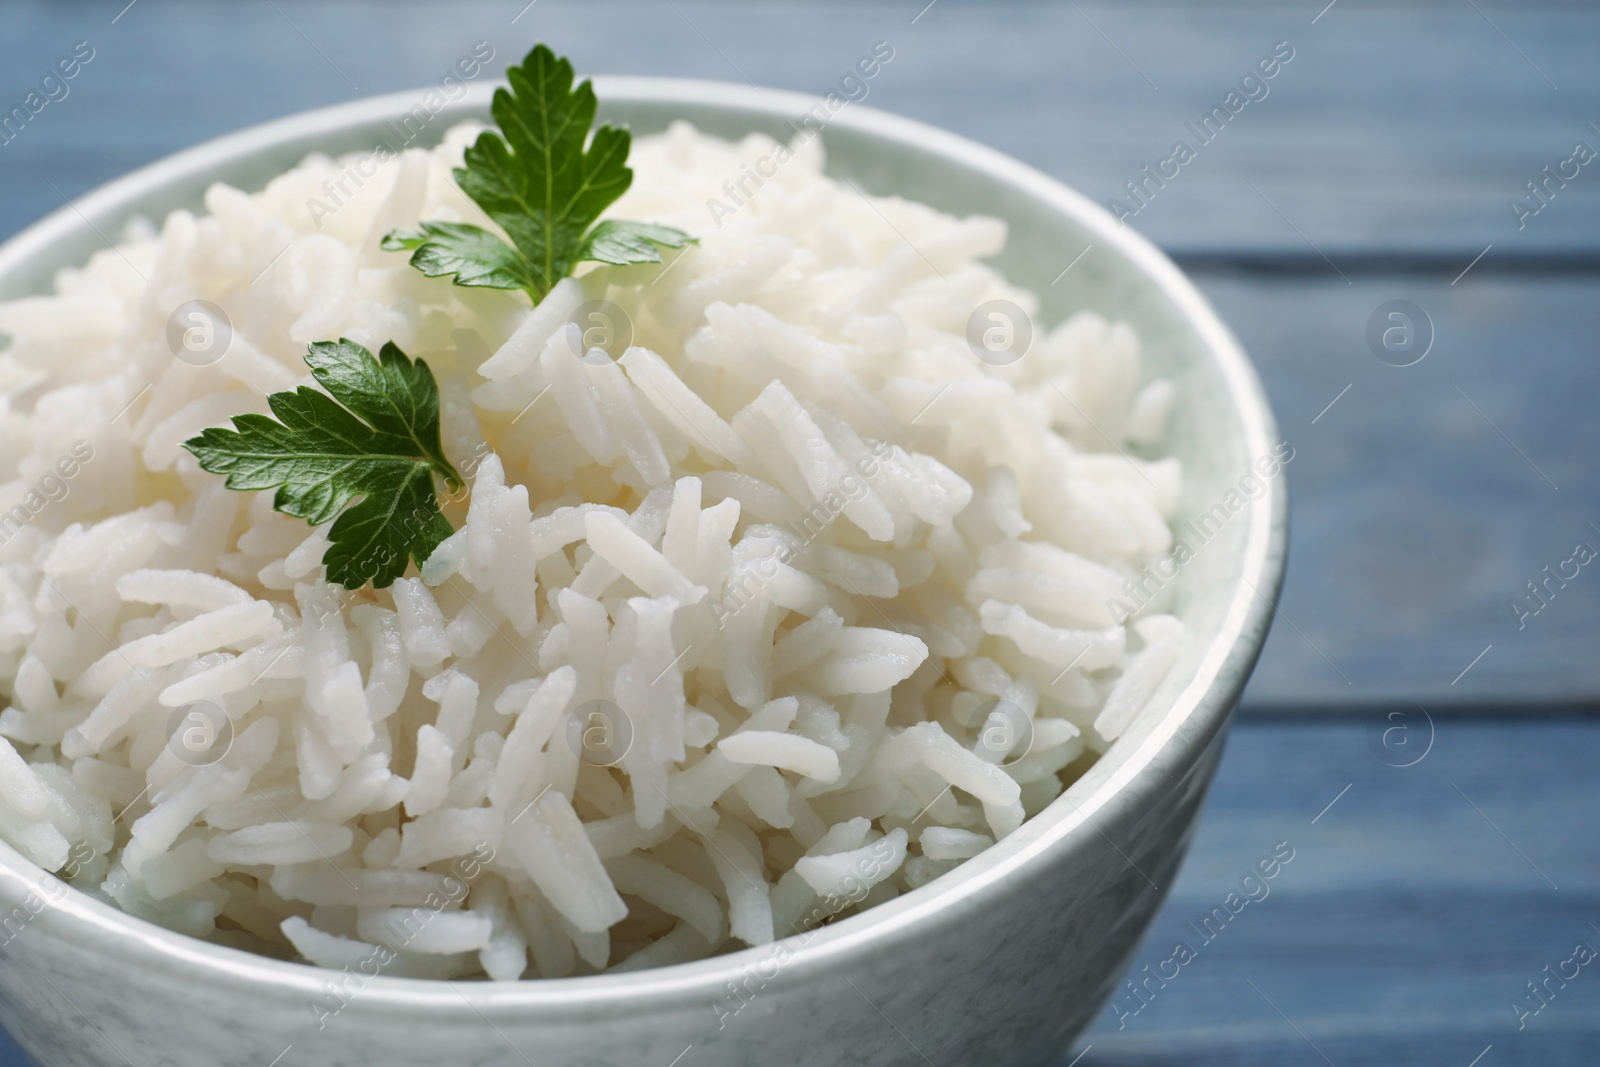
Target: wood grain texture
[
  {"x": 1395, "y": 128},
  {"x": 1412, "y": 915},
  {"x": 1426, "y": 497}
]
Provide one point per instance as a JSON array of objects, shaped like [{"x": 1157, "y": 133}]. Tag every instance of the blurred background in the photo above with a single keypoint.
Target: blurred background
[{"x": 1402, "y": 225}]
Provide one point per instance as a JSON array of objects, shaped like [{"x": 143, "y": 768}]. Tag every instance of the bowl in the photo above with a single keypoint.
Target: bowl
[{"x": 1003, "y": 961}]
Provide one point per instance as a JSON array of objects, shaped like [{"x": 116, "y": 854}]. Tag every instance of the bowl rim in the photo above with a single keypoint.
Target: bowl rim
[{"x": 1113, "y": 787}]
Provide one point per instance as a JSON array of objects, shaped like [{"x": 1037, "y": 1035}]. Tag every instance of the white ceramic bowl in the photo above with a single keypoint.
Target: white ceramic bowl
[{"x": 1004, "y": 961}]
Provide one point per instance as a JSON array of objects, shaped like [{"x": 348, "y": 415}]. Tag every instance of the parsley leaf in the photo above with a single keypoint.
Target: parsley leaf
[
  {"x": 373, "y": 434},
  {"x": 473, "y": 254},
  {"x": 620, "y": 241},
  {"x": 544, "y": 181}
]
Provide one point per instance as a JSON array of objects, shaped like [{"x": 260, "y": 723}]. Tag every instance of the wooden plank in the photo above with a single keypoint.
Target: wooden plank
[
  {"x": 10, "y": 1054},
  {"x": 1396, "y": 128},
  {"x": 1425, "y": 498},
  {"x": 1406, "y": 924}
]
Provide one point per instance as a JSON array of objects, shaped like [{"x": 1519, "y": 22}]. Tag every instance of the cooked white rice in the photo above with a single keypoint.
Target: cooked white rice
[{"x": 789, "y": 611}]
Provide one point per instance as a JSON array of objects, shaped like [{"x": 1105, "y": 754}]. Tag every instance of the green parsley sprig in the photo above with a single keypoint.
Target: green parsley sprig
[
  {"x": 544, "y": 181},
  {"x": 373, "y": 434}
]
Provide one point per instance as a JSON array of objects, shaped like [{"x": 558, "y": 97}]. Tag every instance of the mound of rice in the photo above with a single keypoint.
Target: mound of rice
[{"x": 788, "y": 610}]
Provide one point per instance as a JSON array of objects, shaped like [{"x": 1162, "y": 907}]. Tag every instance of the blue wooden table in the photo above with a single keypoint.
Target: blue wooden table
[{"x": 1389, "y": 159}]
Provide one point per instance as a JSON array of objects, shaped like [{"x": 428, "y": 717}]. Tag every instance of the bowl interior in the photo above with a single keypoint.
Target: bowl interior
[{"x": 1220, "y": 422}]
